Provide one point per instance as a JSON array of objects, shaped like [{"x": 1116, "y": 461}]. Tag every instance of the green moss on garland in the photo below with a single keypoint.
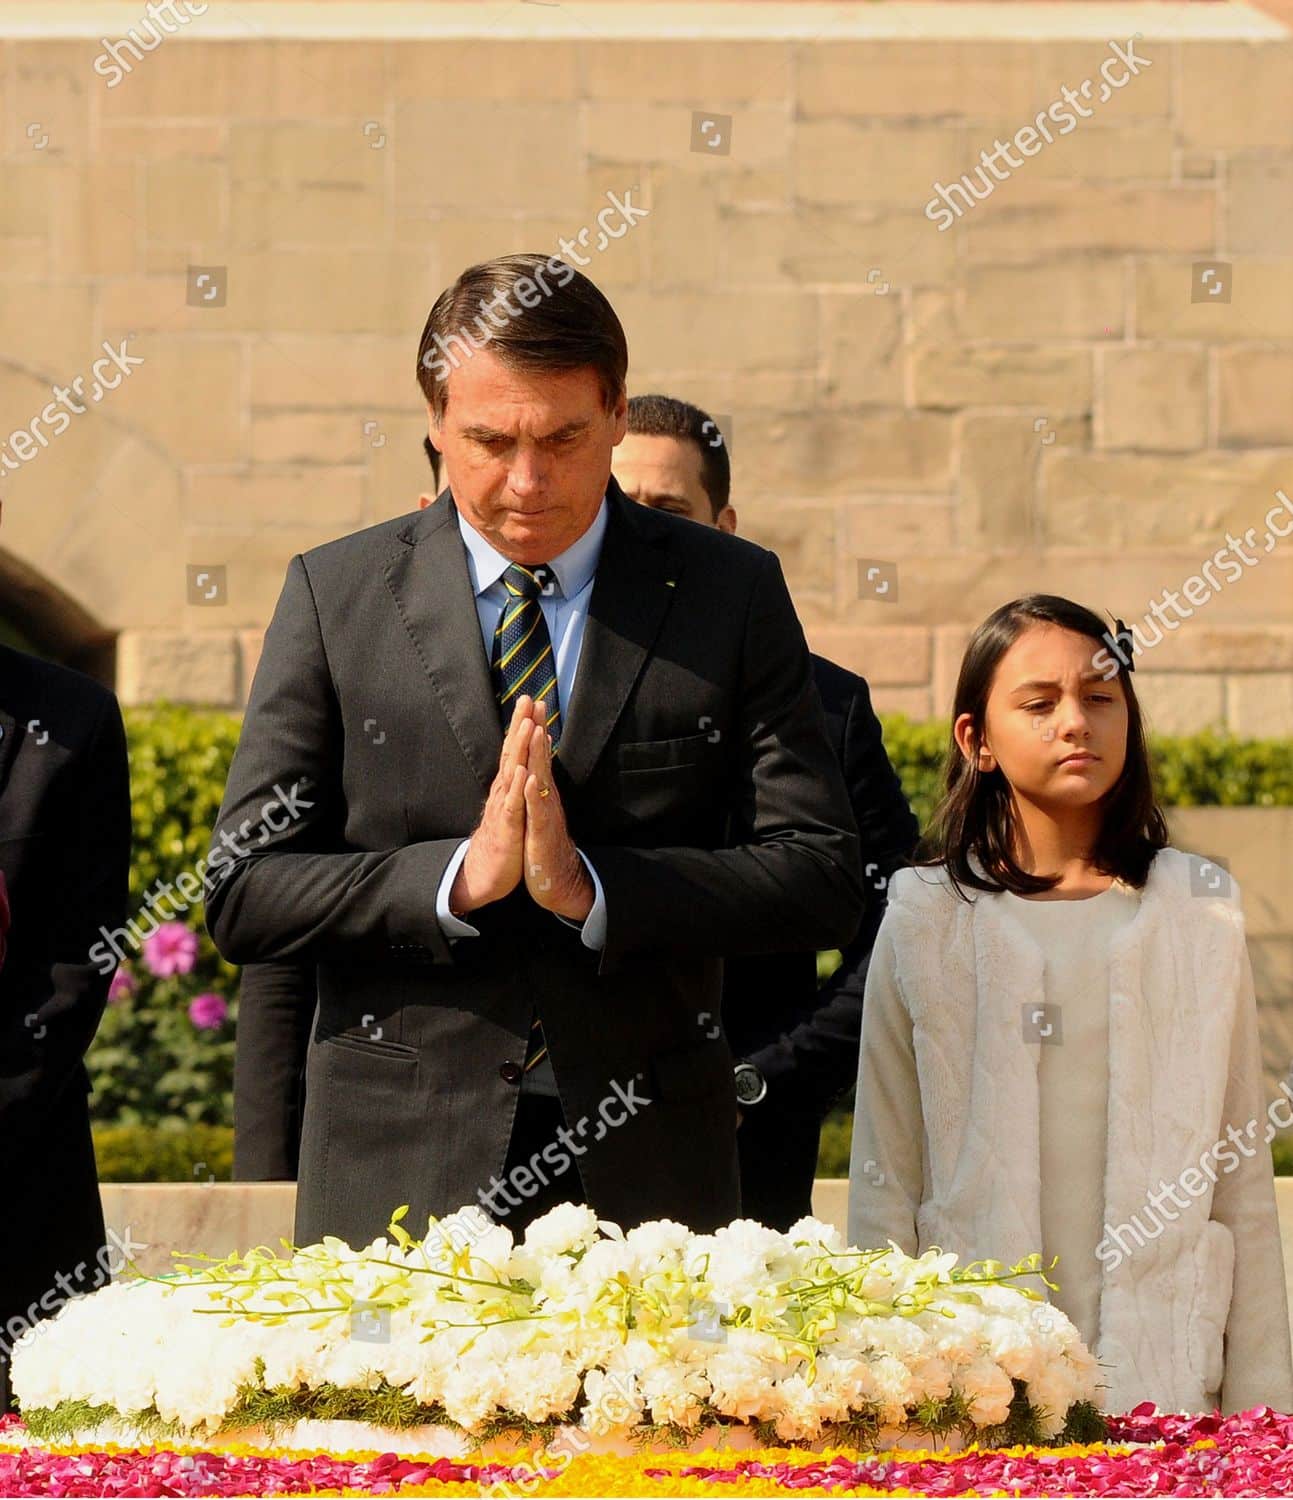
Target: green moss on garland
[
  {"x": 667, "y": 1434},
  {"x": 388, "y": 1406},
  {"x": 765, "y": 1434},
  {"x": 280, "y": 1406},
  {"x": 1085, "y": 1423},
  {"x": 1022, "y": 1427},
  {"x": 510, "y": 1423},
  {"x": 942, "y": 1417},
  {"x": 52, "y": 1423},
  {"x": 861, "y": 1431}
]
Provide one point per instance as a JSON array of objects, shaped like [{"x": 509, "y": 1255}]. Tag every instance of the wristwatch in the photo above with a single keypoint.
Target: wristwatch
[{"x": 751, "y": 1085}]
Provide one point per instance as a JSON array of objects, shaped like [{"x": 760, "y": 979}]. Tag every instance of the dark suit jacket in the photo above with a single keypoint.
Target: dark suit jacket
[
  {"x": 65, "y": 858},
  {"x": 693, "y": 714},
  {"x": 804, "y": 1039}
]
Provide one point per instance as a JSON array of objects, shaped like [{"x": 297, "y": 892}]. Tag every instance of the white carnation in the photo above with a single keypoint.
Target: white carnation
[
  {"x": 540, "y": 1386},
  {"x": 1052, "y": 1390},
  {"x": 660, "y": 1242},
  {"x": 741, "y": 1384},
  {"x": 799, "y": 1418},
  {"x": 895, "y": 1389},
  {"x": 674, "y": 1391},
  {"x": 988, "y": 1389},
  {"x": 1011, "y": 1345},
  {"x": 613, "y": 1403},
  {"x": 569, "y": 1226},
  {"x": 821, "y": 1237},
  {"x": 604, "y": 1261},
  {"x": 473, "y": 1388}
]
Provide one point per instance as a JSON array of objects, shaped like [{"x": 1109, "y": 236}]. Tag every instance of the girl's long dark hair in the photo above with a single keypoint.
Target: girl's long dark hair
[{"x": 976, "y": 814}]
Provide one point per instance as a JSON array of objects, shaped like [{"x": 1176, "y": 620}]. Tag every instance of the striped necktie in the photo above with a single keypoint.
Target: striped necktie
[
  {"x": 522, "y": 659},
  {"x": 522, "y": 662}
]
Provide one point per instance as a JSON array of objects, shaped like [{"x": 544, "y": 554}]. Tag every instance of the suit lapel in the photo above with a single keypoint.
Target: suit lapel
[
  {"x": 431, "y": 585},
  {"x": 634, "y": 586}
]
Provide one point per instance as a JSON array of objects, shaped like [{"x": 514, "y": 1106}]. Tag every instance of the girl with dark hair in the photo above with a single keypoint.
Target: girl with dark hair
[{"x": 1059, "y": 1035}]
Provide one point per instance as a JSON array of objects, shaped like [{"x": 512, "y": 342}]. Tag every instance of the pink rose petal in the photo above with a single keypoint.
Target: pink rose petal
[{"x": 1250, "y": 1453}]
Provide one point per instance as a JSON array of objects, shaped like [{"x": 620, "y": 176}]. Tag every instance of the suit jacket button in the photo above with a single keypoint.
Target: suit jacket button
[{"x": 510, "y": 1072}]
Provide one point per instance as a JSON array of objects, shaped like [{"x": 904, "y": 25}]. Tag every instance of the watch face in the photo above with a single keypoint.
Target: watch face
[{"x": 750, "y": 1087}]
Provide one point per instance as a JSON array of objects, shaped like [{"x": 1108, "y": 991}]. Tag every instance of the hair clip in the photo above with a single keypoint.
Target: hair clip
[{"x": 1127, "y": 651}]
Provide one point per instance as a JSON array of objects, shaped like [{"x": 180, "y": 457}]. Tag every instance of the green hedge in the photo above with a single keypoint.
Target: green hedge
[
  {"x": 179, "y": 760},
  {"x": 150, "y": 1062},
  {"x": 169, "y": 1152},
  {"x": 1208, "y": 769},
  {"x": 174, "y": 1152}
]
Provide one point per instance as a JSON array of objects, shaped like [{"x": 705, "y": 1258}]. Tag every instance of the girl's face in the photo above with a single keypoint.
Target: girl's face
[{"x": 1053, "y": 726}]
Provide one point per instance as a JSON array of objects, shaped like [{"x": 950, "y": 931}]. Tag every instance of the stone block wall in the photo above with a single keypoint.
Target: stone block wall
[{"x": 1034, "y": 398}]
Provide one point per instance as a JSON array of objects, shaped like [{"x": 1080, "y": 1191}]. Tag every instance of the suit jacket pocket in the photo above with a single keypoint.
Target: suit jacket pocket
[
  {"x": 371, "y": 1046},
  {"x": 661, "y": 755},
  {"x": 366, "y": 1121},
  {"x": 670, "y": 791}
]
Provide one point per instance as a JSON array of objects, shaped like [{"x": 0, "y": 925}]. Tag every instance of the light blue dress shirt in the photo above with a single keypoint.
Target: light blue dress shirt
[{"x": 565, "y": 612}]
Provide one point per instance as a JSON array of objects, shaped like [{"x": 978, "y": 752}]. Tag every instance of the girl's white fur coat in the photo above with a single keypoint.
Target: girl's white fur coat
[{"x": 1191, "y": 1315}]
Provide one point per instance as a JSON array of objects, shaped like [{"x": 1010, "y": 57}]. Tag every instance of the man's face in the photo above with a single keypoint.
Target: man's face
[
  {"x": 664, "y": 473},
  {"x": 526, "y": 453}
]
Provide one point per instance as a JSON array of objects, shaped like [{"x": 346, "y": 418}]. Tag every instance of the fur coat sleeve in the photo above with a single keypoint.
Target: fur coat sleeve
[
  {"x": 1258, "y": 1361},
  {"x": 886, "y": 1172}
]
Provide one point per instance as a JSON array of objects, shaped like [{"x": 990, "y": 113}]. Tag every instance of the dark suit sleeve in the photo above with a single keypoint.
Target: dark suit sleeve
[
  {"x": 89, "y": 882},
  {"x": 811, "y": 1065},
  {"x": 297, "y": 891},
  {"x": 276, "y": 1004},
  {"x": 796, "y": 882}
]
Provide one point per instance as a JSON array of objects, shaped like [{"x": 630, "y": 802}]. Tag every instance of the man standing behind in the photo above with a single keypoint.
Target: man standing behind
[
  {"x": 64, "y": 873},
  {"x": 796, "y": 1045},
  {"x": 493, "y": 884}
]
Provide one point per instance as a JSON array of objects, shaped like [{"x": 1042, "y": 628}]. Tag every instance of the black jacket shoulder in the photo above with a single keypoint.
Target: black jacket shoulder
[
  {"x": 837, "y": 686},
  {"x": 28, "y": 681}
]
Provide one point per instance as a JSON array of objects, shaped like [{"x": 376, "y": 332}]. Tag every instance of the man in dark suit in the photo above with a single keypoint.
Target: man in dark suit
[
  {"x": 65, "y": 870},
  {"x": 509, "y": 986},
  {"x": 799, "y": 1039},
  {"x": 796, "y": 1044}
]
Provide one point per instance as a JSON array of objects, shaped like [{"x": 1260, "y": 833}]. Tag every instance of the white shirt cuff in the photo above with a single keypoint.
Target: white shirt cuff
[
  {"x": 451, "y": 926},
  {"x": 593, "y": 928}
]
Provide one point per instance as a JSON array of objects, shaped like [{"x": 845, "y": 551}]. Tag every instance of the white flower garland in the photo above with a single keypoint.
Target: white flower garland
[{"x": 657, "y": 1326}]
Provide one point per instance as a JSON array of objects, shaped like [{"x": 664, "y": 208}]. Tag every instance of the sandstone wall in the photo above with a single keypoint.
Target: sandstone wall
[{"x": 1032, "y": 399}]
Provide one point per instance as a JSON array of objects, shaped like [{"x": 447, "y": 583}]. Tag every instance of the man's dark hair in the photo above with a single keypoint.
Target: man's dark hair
[
  {"x": 433, "y": 458},
  {"x": 551, "y": 318},
  {"x": 665, "y": 416}
]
